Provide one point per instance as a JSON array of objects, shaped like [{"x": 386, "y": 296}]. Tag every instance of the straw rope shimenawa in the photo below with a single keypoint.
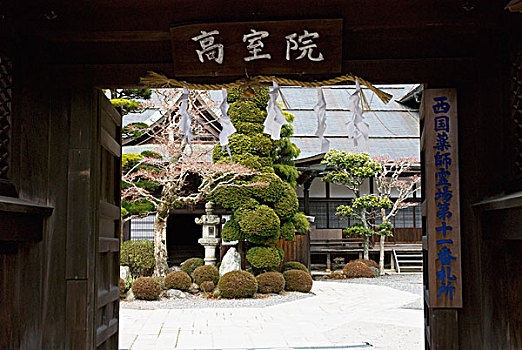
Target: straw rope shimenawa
[{"x": 158, "y": 80}]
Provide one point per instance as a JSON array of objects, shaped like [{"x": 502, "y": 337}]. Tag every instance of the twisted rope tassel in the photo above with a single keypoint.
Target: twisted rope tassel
[{"x": 158, "y": 80}]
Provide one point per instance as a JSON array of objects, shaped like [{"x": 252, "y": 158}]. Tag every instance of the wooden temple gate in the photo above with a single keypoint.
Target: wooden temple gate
[{"x": 59, "y": 144}]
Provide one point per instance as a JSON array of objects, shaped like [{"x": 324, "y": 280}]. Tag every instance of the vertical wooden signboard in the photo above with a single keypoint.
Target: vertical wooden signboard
[{"x": 442, "y": 198}]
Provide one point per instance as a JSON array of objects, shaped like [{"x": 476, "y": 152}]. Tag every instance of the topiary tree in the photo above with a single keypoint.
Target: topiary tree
[{"x": 266, "y": 210}]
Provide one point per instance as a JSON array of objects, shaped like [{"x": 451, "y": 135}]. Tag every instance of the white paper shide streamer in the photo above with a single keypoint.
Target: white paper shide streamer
[
  {"x": 227, "y": 128},
  {"x": 320, "y": 111},
  {"x": 186, "y": 118},
  {"x": 275, "y": 118},
  {"x": 358, "y": 129}
]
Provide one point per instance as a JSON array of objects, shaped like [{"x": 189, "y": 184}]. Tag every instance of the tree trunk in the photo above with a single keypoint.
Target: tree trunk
[
  {"x": 160, "y": 242},
  {"x": 381, "y": 255},
  {"x": 366, "y": 245}
]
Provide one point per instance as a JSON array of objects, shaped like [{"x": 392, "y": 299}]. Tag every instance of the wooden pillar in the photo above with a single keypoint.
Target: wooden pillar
[{"x": 306, "y": 191}]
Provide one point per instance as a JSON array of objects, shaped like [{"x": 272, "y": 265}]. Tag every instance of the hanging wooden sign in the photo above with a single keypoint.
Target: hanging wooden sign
[
  {"x": 442, "y": 198},
  {"x": 273, "y": 47}
]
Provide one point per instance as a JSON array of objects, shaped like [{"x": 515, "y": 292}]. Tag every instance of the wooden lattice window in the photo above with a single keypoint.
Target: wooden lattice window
[
  {"x": 5, "y": 113},
  {"x": 516, "y": 113}
]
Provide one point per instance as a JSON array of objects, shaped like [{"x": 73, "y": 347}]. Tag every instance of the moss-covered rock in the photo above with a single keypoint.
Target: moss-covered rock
[
  {"x": 293, "y": 265},
  {"x": 191, "y": 264},
  {"x": 206, "y": 273},
  {"x": 298, "y": 281},
  {"x": 357, "y": 269},
  {"x": 146, "y": 288},
  {"x": 178, "y": 280},
  {"x": 138, "y": 255},
  {"x": 270, "y": 282},
  {"x": 237, "y": 284}
]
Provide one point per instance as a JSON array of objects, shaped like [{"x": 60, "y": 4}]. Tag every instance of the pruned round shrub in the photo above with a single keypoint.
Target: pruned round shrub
[
  {"x": 161, "y": 281},
  {"x": 231, "y": 231},
  {"x": 146, "y": 288},
  {"x": 293, "y": 265},
  {"x": 264, "y": 257},
  {"x": 301, "y": 223},
  {"x": 288, "y": 231},
  {"x": 138, "y": 255},
  {"x": 336, "y": 275},
  {"x": 237, "y": 284},
  {"x": 298, "y": 281},
  {"x": 122, "y": 286},
  {"x": 207, "y": 286},
  {"x": 368, "y": 262},
  {"x": 178, "y": 280},
  {"x": 206, "y": 273},
  {"x": 270, "y": 282},
  {"x": 191, "y": 264},
  {"x": 357, "y": 269},
  {"x": 261, "y": 221},
  {"x": 287, "y": 205}
]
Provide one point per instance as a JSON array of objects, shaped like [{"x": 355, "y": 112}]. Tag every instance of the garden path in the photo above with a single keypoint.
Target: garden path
[{"x": 340, "y": 316}]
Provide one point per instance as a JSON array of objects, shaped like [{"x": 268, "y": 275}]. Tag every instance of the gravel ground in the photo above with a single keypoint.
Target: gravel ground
[
  {"x": 200, "y": 302},
  {"x": 411, "y": 283}
]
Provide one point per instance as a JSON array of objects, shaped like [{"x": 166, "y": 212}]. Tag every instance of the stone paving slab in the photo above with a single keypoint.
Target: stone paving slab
[{"x": 339, "y": 316}]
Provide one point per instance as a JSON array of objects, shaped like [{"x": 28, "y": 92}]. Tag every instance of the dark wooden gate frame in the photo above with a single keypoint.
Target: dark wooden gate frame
[{"x": 61, "y": 51}]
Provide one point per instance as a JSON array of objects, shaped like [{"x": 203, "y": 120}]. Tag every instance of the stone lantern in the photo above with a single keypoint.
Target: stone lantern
[{"x": 210, "y": 240}]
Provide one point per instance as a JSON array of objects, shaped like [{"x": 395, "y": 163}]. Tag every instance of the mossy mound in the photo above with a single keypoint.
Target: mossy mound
[
  {"x": 206, "y": 273},
  {"x": 138, "y": 255},
  {"x": 178, "y": 280},
  {"x": 298, "y": 281},
  {"x": 264, "y": 257},
  {"x": 270, "y": 282},
  {"x": 237, "y": 284},
  {"x": 146, "y": 288},
  {"x": 191, "y": 264},
  {"x": 357, "y": 269},
  {"x": 293, "y": 265}
]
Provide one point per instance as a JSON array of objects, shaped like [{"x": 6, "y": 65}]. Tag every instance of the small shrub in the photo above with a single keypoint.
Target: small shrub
[
  {"x": 297, "y": 280},
  {"x": 206, "y": 273},
  {"x": 191, "y": 264},
  {"x": 138, "y": 255},
  {"x": 357, "y": 269},
  {"x": 146, "y": 288},
  {"x": 264, "y": 257},
  {"x": 207, "y": 286},
  {"x": 368, "y": 262},
  {"x": 161, "y": 281},
  {"x": 178, "y": 280},
  {"x": 336, "y": 275},
  {"x": 122, "y": 286},
  {"x": 270, "y": 282},
  {"x": 293, "y": 265},
  {"x": 237, "y": 284}
]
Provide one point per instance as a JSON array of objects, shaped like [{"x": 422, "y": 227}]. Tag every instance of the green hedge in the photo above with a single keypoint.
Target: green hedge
[{"x": 138, "y": 255}]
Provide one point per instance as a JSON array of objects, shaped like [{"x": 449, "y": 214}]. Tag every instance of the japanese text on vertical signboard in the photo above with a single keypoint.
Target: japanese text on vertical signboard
[{"x": 443, "y": 217}]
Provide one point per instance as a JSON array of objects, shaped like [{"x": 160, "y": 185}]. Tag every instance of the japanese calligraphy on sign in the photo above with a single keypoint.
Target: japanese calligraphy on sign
[
  {"x": 442, "y": 198},
  {"x": 274, "y": 47}
]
